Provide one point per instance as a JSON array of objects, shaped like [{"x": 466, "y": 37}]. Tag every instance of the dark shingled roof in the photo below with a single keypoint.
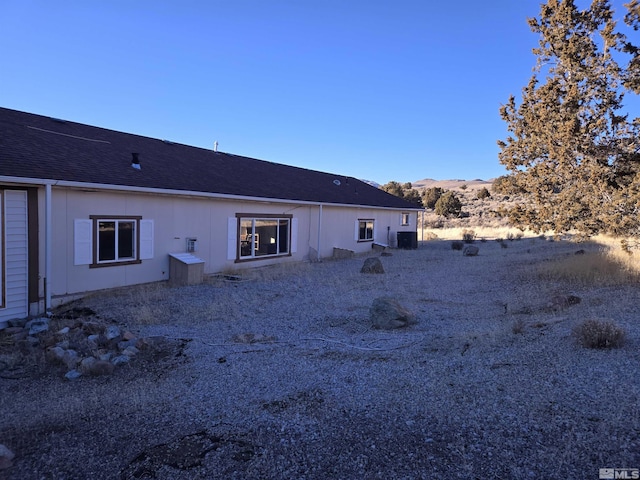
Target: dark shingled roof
[{"x": 34, "y": 146}]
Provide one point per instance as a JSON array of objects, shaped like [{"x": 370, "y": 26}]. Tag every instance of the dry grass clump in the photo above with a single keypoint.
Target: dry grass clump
[
  {"x": 589, "y": 269},
  {"x": 599, "y": 334},
  {"x": 518, "y": 326}
]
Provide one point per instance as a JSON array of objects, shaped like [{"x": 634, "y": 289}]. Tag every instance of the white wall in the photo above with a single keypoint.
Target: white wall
[{"x": 176, "y": 218}]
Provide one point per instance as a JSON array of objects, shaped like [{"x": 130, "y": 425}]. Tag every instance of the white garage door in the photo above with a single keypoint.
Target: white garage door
[{"x": 14, "y": 255}]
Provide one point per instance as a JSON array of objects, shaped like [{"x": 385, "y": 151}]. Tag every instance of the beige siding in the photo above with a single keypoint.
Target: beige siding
[{"x": 177, "y": 218}]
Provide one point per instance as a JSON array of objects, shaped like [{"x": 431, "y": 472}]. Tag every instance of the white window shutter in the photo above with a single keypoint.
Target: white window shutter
[
  {"x": 82, "y": 241},
  {"x": 232, "y": 238},
  {"x": 146, "y": 239},
  {"x": 357, "y": 230},
  {"x": 294, "y": 235}
]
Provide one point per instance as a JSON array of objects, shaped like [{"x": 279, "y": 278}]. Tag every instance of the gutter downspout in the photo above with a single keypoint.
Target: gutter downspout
[
  {"x": 319, "y": 229},
  {"x": 48, "y": 234}
]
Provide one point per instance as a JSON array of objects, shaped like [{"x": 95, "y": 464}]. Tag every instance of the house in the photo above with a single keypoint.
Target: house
[{"x": 86, "y": 208}]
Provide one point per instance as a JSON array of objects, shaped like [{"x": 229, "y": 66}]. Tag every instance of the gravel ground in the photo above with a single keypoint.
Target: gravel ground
[{"x": 282, "y": 377}]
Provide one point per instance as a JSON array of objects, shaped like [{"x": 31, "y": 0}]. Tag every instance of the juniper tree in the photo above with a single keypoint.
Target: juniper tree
[
  {"x": 570, "y": 146},
  {"x": 404, "y": 190},
  {"x": 430, "y": 196},
  {"x": 448, "y": 205}
]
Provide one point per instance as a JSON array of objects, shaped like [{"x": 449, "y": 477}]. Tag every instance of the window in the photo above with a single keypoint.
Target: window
[
  {"x": 116, "y": 240},
  {"x": 103, "y": 241},
  {"x": 365, "y": 230},
  {"x": 263, "y": 236},
  {"x": 405, "y": 219}
]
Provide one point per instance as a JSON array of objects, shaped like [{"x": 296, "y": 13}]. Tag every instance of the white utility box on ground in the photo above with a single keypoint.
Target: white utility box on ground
[{"x": 185, "y": 269}]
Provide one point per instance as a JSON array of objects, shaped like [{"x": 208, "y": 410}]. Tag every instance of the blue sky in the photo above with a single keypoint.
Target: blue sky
[{"x": 379, "y": 90}]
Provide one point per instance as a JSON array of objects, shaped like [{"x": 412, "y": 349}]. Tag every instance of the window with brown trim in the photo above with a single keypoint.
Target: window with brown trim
[
  {"x": 116, "y": 240},
  {"x": 263, "y": 235}
]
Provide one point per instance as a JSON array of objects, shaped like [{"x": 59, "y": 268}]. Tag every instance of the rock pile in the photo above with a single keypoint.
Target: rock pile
[{"x": 82, "y": 346}]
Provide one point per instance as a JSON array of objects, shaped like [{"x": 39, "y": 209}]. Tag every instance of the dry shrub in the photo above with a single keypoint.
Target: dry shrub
[
  {"x": 590, "y": 269},
  {"x": 457, "y": 245},
  {"x": 599, "y": 334},
  {"x": 518, "y": 326},
  {"x": 468, "y": 236}
]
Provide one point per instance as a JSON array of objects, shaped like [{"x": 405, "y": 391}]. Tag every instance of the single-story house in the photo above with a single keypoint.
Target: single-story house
[{"x": 84, "y": 208}]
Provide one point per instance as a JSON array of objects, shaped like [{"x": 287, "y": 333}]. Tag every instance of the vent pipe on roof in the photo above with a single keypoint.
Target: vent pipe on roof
[
  {"x": 135, "y": 161},
  {"x": 215, "y": 146}
]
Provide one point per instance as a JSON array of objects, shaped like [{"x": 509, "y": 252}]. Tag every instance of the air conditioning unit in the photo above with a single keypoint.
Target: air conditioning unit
[{"x": 192, "y": 245}]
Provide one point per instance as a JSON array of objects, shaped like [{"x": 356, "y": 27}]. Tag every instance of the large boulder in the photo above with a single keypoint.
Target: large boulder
[
  {"x": 386, "y": 313},
  {"x": 372, "y": 265}
]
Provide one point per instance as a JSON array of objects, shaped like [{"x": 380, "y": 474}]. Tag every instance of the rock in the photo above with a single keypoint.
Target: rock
[
  {"x": 112, "y": 331},
  {"x": 127, "y": 335},
  {"x": 120, "y": 360},
  {"x": 579, "y": 252},
  {"x": 6, "y": 457},
  {"x": 95, "y": 367},
  {"x": 37, "y": 325},
  {"x": 372, "y": 265},
  {"x": 92, "y": 328},
  {"x": 130, "y": 351},
  {"x": 72, "y": 375},
  {"x": 470, "y": 251},
  {"x": 129, "y": 343},
  {"x": 86, "y": 364},
  {"x": 63, "y": 331},
  {"x": 386, "y": 313},
  {"x": 55, "y": 355},
  {"x": 105, "y": 356},
  {"x": 70, "y": 358}
]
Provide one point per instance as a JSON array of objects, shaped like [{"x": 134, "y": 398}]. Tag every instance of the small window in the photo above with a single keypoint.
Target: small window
[
  {"x": 264, "y": 236},
  {"x": 405, "y": 219},
  {"x": 365, "y": 230},
  {"x": 116, "y": 240}
]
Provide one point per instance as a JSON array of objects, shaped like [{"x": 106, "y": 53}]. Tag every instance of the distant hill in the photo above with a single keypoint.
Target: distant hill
[{"x": 475, "y": 184}]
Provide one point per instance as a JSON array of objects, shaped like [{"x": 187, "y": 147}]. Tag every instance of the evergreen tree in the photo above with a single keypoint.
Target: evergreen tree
[
  {"x": 569, "y": 145},
  {"x": 448, "y": 205},
  {"x": 431, "y": 196},
  {"x": 394, "y": 188},
  {"x": 404, "y": 190},
  {"x": 483, "y": 193}
]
